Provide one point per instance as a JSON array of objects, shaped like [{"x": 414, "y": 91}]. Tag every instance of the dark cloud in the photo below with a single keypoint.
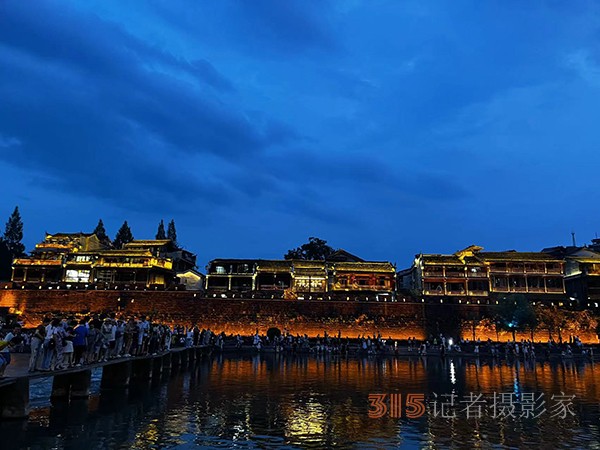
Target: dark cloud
[
  {"x": 109, "y": 119},
  {"x": 267, "y": 119},
  {"x": 262, "y": 28}
]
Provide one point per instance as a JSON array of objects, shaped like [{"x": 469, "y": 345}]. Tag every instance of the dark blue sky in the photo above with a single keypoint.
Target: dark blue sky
[{"x": 385, "y": 127}]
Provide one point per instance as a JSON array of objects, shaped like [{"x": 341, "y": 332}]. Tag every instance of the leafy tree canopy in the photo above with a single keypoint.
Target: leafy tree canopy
[
  {"x": 314, "y": 249},
  {"x": 515, "y": 313}
]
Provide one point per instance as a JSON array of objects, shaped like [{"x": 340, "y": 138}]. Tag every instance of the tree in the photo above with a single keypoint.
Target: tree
[
  {"x": 515, "y": 313},
  {"x": 554, "y": 319},
  {"x": 100, "y": 233},
  {"x": 5, "y": 261},
  {"x": 172, "y": 233},
  {"x": 314, "y": 249},
  {"x": 13, "y": 234},
  {"x": 123, "y": 236},
  {"x": 160, "y": 234}
]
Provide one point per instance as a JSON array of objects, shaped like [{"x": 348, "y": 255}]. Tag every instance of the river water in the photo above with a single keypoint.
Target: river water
[{"x": 273, "y": 401}]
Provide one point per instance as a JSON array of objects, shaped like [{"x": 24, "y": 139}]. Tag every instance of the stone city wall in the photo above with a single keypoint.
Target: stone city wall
[{"x": 398, "y": 320}]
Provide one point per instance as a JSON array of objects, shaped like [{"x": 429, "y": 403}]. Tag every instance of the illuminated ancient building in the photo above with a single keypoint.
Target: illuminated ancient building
[
  {"x": 472, "y": 274},
  {"x": 343, "y": 276},
  {"x": 68, "y": 260},
  {"x": 183, "y": 260},
  {"x": 582, "y": 272},
  {"x": 46, "y": 264}
]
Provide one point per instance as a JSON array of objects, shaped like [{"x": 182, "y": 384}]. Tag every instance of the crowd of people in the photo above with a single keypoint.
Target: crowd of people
[{"x": 61, "y": 343}]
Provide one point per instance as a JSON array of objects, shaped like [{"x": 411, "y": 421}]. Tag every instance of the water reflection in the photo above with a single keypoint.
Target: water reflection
[{"x": 300, "y": 401}]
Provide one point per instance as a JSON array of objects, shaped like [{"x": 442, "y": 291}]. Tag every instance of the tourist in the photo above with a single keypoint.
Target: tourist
[
  {"x": 131, "y": 337},
  {"x": 13, "y": 337},
  {"x": 119, "y": 337},
  {"x": 68, "y": 347},
  {"x": 5, "y": 344},
  {"x": 36, "y": 343},
  {"x": 92, "y": 347},
  {"x": 81, "y": 333},
  {"x": 59, "y": 336},
  {"x": 108, "y": 331}
]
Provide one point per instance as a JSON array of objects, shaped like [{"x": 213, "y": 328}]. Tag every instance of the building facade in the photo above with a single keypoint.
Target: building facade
[
  {"x": 343, "y": 276},
  {"x": 80, "y": 260},
  {"x": 474, "y": 275},
  {"x": 582, "y": 272}
]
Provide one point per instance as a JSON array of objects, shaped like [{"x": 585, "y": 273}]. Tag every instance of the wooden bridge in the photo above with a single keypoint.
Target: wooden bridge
[{"x": 75, "y": 383}]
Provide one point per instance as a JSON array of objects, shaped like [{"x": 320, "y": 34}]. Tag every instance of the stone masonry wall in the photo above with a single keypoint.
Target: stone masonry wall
[{"x": 398, "y": 320}]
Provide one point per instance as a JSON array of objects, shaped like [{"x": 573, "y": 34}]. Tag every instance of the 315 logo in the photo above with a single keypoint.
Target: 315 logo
[{"x": 382, "y": 404}]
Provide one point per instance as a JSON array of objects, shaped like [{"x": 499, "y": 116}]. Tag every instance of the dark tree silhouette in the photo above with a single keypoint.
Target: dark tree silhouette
[
  {"x": 5, "y": 261},
  {"x": 160, "y": 234},
  {"x": 314, "y": 249},
  {"x": 100, "y": 233},
  {"x": 172, "y": 233},
  {"x": 13, "y": 234},
  {"x": 123, "y": 236}
]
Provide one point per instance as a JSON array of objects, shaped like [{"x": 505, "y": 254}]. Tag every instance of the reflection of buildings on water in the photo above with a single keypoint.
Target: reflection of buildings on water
[{"x": 322, "y": 402}]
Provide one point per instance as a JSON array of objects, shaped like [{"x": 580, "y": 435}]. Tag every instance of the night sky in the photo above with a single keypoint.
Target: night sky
[{"x": 387, "y": 128}]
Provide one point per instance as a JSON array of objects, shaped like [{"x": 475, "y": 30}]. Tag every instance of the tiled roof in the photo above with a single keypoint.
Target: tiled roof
[
  {"x": 37, "y": 262},
  {"x": 273, "y": 266},
  {"x": 441, "y": 259},
  {"x": 123, "y": 252},
  {"x": 519, "y": 256},
  {"x": 585, "y": 260},
  {"x": 364, "y": 266},
  {"x": 80, "y": 234},
  {"x": 147, "y": 243},
  {"x": 487, "y": 257},
  {"x": 306, "y": 264}
]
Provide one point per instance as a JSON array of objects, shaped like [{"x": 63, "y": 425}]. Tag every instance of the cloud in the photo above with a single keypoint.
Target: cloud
[
  {"x": 111, "y": 119},
  {"x": 582, "y": 62}
]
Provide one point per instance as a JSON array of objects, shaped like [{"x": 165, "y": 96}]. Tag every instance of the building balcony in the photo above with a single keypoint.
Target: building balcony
[
  {"x": 500, "y": 289},
  {"x": 433, "y": 292},
  {"x": 455, "y": 274},
  {"x": 555, "y": 290},
  {"x": 142, "y": 265},
  {"x": 518, "y": 289},
  {"x": 478, "y": 293},
  {"x": 358, "y": 287},
  {"x": 433, "y": 274},
  {"x": 477, "y": 274},
  {"x": 536, "y": 289}
]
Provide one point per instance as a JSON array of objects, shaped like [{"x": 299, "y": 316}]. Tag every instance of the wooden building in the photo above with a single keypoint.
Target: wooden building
[
  {"x": 343, "y": 276},
  {"x": 472, "y": 274},
  {"x": 80, "y": 260},
  {"x": 46, "y": 263},
  {"x": 582, "y": 272}
]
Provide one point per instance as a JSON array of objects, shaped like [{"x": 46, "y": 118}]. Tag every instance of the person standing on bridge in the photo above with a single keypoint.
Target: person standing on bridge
[
  {"x": 16, "y": 331},
  {"x": 4, "y": 362},
  {"x": 80, "y": 342},
  {"x": 36, "y": 346},
  {"x": 59, "y": 339}
]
